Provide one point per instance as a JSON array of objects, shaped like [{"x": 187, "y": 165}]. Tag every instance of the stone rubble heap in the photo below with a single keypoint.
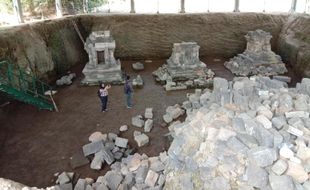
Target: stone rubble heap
[
  {"x": 258, "y": 58},
  {"x": 184, "y": 69},
  {"x": 245, "y": 134},
  {"x": 133, "y": 172},
  {"x": 66, "y": 80},
  {"x": 106, "y": 148}
]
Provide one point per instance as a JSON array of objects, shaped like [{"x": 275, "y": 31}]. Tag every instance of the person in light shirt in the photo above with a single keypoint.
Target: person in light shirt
[{"x": 103, "y": 95}]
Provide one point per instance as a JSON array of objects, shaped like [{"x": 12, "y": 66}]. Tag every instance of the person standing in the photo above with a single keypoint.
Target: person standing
[
  {"x": 128, "y": 92},
  {"x": 103, "y": 95}
]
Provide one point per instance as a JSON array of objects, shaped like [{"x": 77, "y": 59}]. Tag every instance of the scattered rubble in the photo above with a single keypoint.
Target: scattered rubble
[
  {"x": 257, "y": 59},
  {"x": 138, "y": 66},
  {"x": 184, "y": 69},
  {"x": 141, "y": 139},
  {"x": 250, "y": 133},
  {"x": 66, "y": 80}
]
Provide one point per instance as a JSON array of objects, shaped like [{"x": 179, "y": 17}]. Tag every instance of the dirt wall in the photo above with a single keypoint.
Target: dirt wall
[
  {"x": 49, "y": 48},
  {"x": 46, "y": 48},
  {"x": 148, "y": 36},
  {"x": 294, "y": 44}
]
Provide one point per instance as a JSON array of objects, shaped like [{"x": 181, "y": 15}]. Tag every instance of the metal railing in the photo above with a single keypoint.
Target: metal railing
[{"x": 22, "y": 81}]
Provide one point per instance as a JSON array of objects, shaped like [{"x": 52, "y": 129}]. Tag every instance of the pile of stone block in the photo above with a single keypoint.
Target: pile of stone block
[
  {"x": 172, "y": 113},
  {"x": 137, "y": 82},
  {"x": 105, "y": 148},
  {"x": 146, "y": 122},
  {"x": 66, "y": 80},
  {"x": 258, "y": 58},
  {"x": 133, "y": 172},
  {"x": 184, "y": 70},
  {"x": 250, "y": 133}
]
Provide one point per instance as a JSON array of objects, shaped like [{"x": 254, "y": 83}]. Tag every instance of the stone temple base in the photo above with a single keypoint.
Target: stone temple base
[
  {"x": 100, "y": 73},
  {"x": 181, "y": 74}
]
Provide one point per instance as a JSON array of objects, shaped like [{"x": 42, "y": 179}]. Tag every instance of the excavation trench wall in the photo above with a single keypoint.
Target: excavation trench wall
[{"x": 50, "y": 48}]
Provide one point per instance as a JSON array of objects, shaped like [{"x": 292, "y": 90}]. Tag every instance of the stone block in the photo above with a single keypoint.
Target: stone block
[
  {"x": 167, "y": 118},
  {"x": 107, "y": 155},
  {"x": 142, "y": 139},
  {"x": 303, "y": 153},
  {"x": 121, "y": 142},
  {"x": 151, "y": 178},
  {"x": 295, "y": 131},
  {"x": 301, "y": 114},
  {"x": 96, "y": 163},
  {"x": 234, "y": 144},
  {"x": 297, "y": 172},
  {"x": 262, "y": 156},
  {"x": 63, "y": 178},
  {"x": 264, "y": 121},
  {"x": 80, "y": 185},
  {"x": 283, "y": 182},
  {"x": 248, "y": 140},
  {"x": 92, "y": 148},
  {"x": 148, "y": 113},
  {"x": 129, "y": 180},
  {"x": 78, "y": 160},
  {"x": 123, "y": 128},
  {"x": 157, "y": 166},
  {"x": 97, "y": 136},
  {"x": 112, "y": 136},
  {"x": 138, "y": 66},
  {"x": 263, "y": 136},
  {"x": 148, "y": 125},
  {"x": 278, "y": 122},
  {"x": 137, "y": 121},
  {"x": 113, "y": 179},
  {"x": 279, "y": 167},
  {"x": 141, "y": 174},
  {"x": 220, "y": 183},
  {"x": 286, "y": 152},
  {"x": 67, "y": 186},
  {"x": 256, "y": 176},
  {"x": 134, "y": 163}
]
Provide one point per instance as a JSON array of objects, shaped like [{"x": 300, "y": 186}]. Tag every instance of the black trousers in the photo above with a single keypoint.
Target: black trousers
[{"x": 104, "y": 102}]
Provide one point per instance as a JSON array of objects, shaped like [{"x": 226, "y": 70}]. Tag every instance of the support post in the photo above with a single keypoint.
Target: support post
[
  {"x": 58, "y": 8},
  {"x": 17, "y": 6},
  {"x": 85, "y": 6},
  {"x": 132, "y": 6},
  {"x": 236, "y": 9},
  {"x": 293, "y": 6},
  {"x": 182, "y": 6}
]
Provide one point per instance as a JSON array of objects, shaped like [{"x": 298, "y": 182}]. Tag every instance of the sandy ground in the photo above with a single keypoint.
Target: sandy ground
[{"x": 35, "y": 144}]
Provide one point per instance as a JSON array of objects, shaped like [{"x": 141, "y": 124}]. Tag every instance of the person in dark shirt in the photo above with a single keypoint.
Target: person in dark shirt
[{"x": 128, "y": 92}]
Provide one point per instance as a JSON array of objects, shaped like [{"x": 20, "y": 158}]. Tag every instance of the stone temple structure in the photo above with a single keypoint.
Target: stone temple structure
[
  {"x": 184, "y": 69},
  {"x": 257, "y": 58},
  {"x": 102, "y": 65}
]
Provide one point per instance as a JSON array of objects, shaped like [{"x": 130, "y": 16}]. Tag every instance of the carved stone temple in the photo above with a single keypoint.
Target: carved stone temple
[
  {"x": 184, "y": 68},
  {"x": 102, "y": 65},
  {"x": 258, "y": 58}
]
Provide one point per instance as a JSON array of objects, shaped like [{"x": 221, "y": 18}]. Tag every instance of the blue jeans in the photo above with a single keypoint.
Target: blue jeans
[
  {"x": 104, "y": 101},
  {"x": 128, "y": 99}
]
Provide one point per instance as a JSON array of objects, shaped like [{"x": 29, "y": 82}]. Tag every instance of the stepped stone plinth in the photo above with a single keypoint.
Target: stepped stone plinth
[{"x": 258, "y": 58}]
